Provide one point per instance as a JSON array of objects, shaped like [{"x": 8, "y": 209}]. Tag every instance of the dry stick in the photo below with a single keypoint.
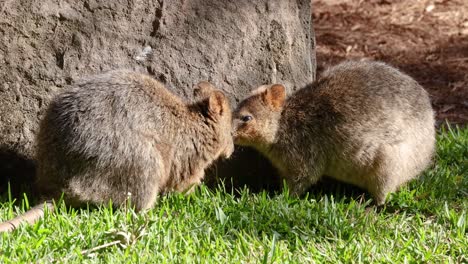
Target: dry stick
[
  {"x": 30, "y": 217},
  {"x": 88, "y": 251}
]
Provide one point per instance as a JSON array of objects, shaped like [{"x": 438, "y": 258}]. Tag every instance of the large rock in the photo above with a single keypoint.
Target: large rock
[{"x": 48, "y": 44}]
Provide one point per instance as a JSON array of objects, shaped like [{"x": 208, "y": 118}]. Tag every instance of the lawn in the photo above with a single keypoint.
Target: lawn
[{"x": 425, "y": 221}]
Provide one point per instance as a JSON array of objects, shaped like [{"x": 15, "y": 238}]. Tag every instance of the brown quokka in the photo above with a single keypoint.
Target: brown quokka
[
  {"x": 364, "y": 123},
  {"x": 124, "y": 134}
]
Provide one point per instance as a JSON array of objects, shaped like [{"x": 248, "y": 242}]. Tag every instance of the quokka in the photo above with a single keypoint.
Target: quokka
[
  {"x": 122, "y": 134},
  {"x": 364, "y": 123}
]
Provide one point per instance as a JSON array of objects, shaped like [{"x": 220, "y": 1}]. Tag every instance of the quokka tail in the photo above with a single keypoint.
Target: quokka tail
[{"x": 29, "y": 217}]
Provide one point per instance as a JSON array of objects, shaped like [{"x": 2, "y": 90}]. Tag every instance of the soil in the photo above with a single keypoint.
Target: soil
[{"x": 426, "y": 39}]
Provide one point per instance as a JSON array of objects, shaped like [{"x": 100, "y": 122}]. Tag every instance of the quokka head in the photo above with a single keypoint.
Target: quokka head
[
  {"x": 217, "y": 111},
  {"x": 256, "y": 119}
]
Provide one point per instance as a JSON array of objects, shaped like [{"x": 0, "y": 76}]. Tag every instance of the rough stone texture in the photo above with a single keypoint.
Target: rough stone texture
[{"x": 238, "y": 45}]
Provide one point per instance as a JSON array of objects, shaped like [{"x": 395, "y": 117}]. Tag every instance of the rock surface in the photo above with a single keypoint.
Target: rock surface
[{"x": 46, "y": 45}]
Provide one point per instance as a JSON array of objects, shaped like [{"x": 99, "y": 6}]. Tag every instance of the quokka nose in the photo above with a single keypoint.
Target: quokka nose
[{"x": 235, "y": 124}]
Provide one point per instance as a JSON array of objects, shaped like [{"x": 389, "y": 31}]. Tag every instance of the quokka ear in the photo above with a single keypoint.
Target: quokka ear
[
  {"x": 217, "y": 103},
  {"x": 203, "y": 89},
  {"x": 275, "y": 96}
]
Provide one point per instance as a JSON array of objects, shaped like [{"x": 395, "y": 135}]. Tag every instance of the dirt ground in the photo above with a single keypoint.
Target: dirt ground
[{"x": 426, "y": 39}]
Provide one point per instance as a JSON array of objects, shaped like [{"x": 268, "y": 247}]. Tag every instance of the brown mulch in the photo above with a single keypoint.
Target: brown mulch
[{"x": 426, "y": 39}]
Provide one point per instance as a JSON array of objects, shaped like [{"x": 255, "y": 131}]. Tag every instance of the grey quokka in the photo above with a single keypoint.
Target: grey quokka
[
  {"x": 122, "y": 134},
  {"x": 362, "y": 122}
]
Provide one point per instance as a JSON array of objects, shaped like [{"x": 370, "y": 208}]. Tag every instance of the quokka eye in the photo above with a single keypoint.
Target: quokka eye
[{"x": 246, "y": 118}]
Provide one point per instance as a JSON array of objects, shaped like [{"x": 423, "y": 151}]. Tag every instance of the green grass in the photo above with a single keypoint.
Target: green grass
[{"x": 426, "y": 221}]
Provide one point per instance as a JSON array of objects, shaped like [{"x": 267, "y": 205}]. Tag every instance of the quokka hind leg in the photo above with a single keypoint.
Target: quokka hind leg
[
  {"x": 379, "y": 194},
  {"x": 391, "y": 169},
  {"x": 145, "y": 181},
  {"x": 135, "y": 187}
]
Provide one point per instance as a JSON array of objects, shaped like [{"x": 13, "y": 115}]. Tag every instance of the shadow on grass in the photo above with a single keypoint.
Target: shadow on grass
[
  {"x": 246, "y": 168},
  {"x": 17, "y": 175},
  {"x": 340, "y": 191}
]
